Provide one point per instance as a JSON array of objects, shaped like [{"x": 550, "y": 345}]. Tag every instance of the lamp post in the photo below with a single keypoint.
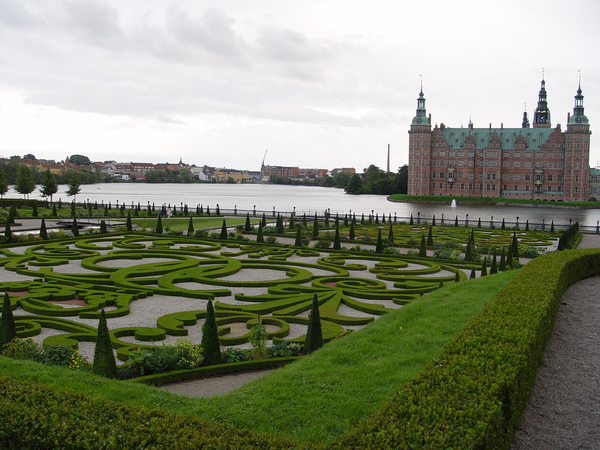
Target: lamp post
[
  {"x": 442, "y": 218},
  {"x": 467, "y": 221},
  {"x": 419, "y": 218}
]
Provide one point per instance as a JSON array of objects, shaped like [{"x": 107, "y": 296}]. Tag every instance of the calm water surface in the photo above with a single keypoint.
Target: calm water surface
[{"x": 308, "y": 200}]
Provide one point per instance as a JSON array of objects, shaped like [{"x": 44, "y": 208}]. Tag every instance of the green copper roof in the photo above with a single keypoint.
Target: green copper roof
[
  {"x": 420, "y": 120},
  {"x": 534, "y": 137},
  {"x": 578, "y": 119}
]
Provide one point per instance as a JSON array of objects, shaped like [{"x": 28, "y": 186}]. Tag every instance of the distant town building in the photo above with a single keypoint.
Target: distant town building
[{"x": 532, "y": 162}]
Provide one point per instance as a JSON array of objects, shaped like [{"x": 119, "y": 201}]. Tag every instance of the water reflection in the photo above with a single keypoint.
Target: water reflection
[{"x": 309, "y": 199}]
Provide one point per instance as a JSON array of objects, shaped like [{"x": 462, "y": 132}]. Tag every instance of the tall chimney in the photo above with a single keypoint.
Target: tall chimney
[{"x": 388, "y": 159}]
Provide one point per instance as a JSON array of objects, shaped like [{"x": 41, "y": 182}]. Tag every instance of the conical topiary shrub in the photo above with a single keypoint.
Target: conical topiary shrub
[
  {"x": 247, "y": 225},
  {"x": 259, "y": 235},
  {"x": 190, "y": 230},
  {"x": 473, "y": 275},
  {"x": 315, "y": 226},
  {"x": 352, "y": 235},
  {"x": 430, "y": 237},
  {"x": 211, "y": 350},
  {"x": 43, "y": 230},
  {"x": 391, "y": 234},
  {"x": 336, "y": 239},
  {"x": 423, "y": 248},
  {"x": 223, "y": 234},
  {"x": 298, "y": 241},
  {"x": 8, "y": 330},
  {"x": 379, "y": 244},
  {"x": 314, "y": 333},
  {"x": 103, "y": 227},
  {"x": 104, "y": 359},
  {"x": 128, "y": 224},
  {"x": 494, "y": 266},
  {"x": 484, "y": 268},
  {"x": 502, "y": 265},
  {"x": 75, "y": 227},
  {"x": 159, "y": 226},
  {"x": 7, "y": 232}
]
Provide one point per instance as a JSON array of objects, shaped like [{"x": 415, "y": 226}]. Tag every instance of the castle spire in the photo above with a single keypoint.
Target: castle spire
[
  {"x": 541, "y": 117},
  {"x": 578, "y": 116},
  {"x": 525, "y": 123},
  {"x": 421, "y": 116}
]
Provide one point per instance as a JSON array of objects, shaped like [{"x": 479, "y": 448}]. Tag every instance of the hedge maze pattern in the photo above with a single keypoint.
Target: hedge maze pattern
[{"x": 63, "y": 285}]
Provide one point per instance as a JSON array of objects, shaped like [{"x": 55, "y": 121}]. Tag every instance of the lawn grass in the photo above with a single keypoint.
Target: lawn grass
[{"x": 322, "y": 395}]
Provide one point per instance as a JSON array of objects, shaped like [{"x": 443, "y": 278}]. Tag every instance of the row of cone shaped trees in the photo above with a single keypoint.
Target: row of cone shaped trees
[{"x": 104, "y": 363}]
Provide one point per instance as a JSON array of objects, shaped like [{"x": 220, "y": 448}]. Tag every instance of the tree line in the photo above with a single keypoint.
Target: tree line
[{"x": 373, "y": 181}]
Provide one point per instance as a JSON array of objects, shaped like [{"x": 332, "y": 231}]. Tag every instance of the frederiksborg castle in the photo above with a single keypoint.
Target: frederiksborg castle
[{"x": 536, "y": 161}]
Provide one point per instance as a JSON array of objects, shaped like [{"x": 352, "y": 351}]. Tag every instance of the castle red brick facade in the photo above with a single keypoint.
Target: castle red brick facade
[{"x": 538, "y": 162}]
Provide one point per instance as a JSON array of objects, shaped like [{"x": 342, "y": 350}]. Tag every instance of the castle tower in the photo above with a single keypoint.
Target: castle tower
[
  {"x": 419, "y": 150},
  {"x": 541, "y": 117},
  {"x": 577, "y": 152}
]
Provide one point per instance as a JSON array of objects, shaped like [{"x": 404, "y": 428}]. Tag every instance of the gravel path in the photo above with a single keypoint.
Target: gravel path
[{"x": 564, "y": 406}]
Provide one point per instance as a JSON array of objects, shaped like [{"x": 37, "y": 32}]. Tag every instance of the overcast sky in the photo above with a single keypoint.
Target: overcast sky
[{"x": 325, "y": 83}]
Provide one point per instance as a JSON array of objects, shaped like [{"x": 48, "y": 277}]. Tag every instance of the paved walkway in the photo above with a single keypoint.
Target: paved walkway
[{"x": 564, "y": 406}]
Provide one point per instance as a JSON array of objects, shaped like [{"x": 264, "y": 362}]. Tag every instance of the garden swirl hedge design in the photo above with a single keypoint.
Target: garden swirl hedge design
[{"x": 65, "y": 284}]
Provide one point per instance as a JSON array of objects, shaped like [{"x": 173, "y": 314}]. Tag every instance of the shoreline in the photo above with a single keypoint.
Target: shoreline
[{"x": 549, "y": 205}]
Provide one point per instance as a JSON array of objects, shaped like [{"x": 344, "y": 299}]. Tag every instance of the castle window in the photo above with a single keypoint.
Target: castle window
[
  {"x": 516, "y": 177},
  {"x": 549, "y": 177},
  {"x": 461, "y": 154},
  {"x": 527, "y": 177},
  {"x": 527, "y": 187},
  {"x": 442, "y": 153},
  {"x": 505, "y": 164},
  {"x": 462, "y": 186},
  {"x": 549, "y": 188},
  {"x": 433, "y": 174},
  {"x": 441, "y": 185},
  {"x": 560, "y": 164},
  {"x": 442, "y": 175},
  {"x": 559, "y": 177},
  {"x": 516, "y": 164},
  {"x": 577, "y": 178},
  {"x": 516, "y": 188},
  {"x": 550, "y": 165},
  {"x": 517, "y": 154},
  {"x": 559, "y": 188},
  {"x": 505, "y": 187},
  {"x": 505, "y": 176},
  {"x": 528, "y": 164}
]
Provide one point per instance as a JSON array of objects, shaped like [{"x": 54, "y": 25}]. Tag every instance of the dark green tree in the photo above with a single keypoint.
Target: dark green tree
[
  {"x": 456, "y": 277},
  {"x": 494, "y": 266},
  {"x": 48, "y": 184},
  {"x": 336, "y": 239},
  {"x": 484, "y": 268},
  {"x": 280, "y": 226},
  {"x": 314, "y": 333},
  {"x": 11, "y": 214},
  {"x": 298, "y": 241},
  {"x": 8, "y": 329},
  {"x": 527, "y": 225},
  {"x": 472, "y": 276},
  {"x": 352, "y": 235},
  {"x": 248, "y": 225},
  {"x": 315, "y": 226},
  {"x": 391, "y": 234},
  {"x": 411, "y": 222},
  {"x": 128, "y": 224},
  {"x": 34, "y": 210},
  {"x": 430, "y": 237},
  {"x": 159, "y": 226},
  {"x": 502, "y": 265},
  {"x": 259, "y": 235},
  {"x": 218, "y": 210},
  {"x": 103, "y": 229},
  {"x": 7, "y": 232},
  {"x": 263, "y": 222},
  {"x": 433, "y": 221},
  {"x": 190, "y": 230},
  {"x": 423, "y": 248},
  {"x": 211, "y": 350},
  {"x": 75, "y": 227},
  {"x": 3, "y": 183},
  {"x": 73, "y": 187},
  {"x": 24, "y": 183},
  {"x": 73, "y": 209},
  {"x": 54, "y": 213},
  {"x": 379, "y": 244},
  {"x": 79, "y": 160},
  {"x": 456, "y": 222},
  {"x": 469, "y": 251},
  {"x": 104, "y": 359},
  {"x": 354, "y": 185},
  {"x": 479, "y": 223},
  {"x": 291, "y": 224},
  {"x": 552, "y": 227},
  {"x": 43, "y": 230},
  {"x": 223, "y": 234},
  {"x": 503, "y": 227}
]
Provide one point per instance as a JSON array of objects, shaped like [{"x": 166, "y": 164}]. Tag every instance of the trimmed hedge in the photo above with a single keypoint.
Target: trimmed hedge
[
  {"x": 54, "y": 418},
  {"x": 473, "y": 395}
]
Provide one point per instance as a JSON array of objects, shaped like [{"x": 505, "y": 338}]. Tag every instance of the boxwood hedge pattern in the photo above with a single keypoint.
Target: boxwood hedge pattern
[{"x": 118, "y": 272}]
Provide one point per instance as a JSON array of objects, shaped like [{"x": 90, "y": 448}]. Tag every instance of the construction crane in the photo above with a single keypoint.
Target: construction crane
[{"x": 263, "y": 161}]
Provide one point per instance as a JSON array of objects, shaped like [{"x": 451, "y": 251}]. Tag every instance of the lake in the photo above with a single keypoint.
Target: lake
[{"x": 310, "y": 199}]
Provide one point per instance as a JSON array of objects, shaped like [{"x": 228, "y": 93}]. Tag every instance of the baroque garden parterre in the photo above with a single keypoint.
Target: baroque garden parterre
[{"x": 59, "y": 287}]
